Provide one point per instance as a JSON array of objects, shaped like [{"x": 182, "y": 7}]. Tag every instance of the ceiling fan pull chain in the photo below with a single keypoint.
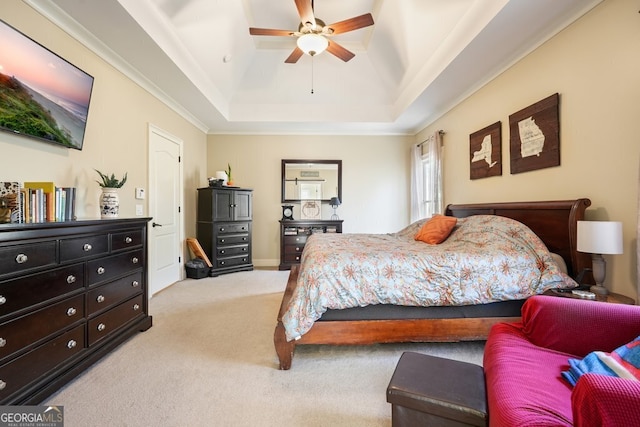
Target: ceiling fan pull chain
[{"x": 312, "y": 75}]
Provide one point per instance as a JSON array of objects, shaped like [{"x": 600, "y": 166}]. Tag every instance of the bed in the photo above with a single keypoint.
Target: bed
[{"x": 554, "y": 222}]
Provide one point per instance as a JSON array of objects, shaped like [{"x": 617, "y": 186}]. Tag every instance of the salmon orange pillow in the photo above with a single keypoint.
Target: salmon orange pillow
[{"x": 437, "y": 229}]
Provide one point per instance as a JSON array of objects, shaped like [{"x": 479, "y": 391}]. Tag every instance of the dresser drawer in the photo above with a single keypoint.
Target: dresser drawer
[
  {"x": 111, "y": 267},
  {"x": 109, "y": 322},
  {"x": 22, "y": 331},
  {"x": 126, "y": 240},
  {"x": 295, "y": 240},
  {"x": 292, "y": 258},
  {"x": 294, "y": 249},
  {"x": 112, "y": 293},
  {"x": 232, "y": 261},
  {"x": 232, "y": 239},
  {"x": 19, "y": 258},
  {"x": 232, "y": 227},
  {"x": 82, "y": 247},
  {"x": 25, "y": 292},
  {"x": 232, "y": 250},
  {"x": 31, "y": 366}
]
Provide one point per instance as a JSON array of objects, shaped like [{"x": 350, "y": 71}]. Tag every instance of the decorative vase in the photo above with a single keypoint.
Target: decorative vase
[{"x": 109, "y": 203}]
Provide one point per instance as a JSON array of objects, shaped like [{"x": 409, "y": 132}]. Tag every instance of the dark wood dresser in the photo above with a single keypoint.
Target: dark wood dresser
[
  {"x": 70, "y": 292},
  {"x": 294, "y": 234},
  {"x": 224, "y": 222}
]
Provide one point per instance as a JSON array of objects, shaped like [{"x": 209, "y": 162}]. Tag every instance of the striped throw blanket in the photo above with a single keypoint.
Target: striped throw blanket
[{"x": 623, "y": 362}]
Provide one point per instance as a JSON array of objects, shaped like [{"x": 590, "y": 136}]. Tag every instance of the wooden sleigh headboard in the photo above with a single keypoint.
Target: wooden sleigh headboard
[{"x": 555, "y": 222}]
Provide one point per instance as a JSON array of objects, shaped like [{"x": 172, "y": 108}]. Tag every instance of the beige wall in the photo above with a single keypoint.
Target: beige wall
[
  {"x": 374, "y": 180},
  {"x": 594, "y": 65},
  {"x": 116, "y": 136}
]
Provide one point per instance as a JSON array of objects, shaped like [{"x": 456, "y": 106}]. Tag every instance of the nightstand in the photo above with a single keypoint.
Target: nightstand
[{"x": 611, "y": 297}]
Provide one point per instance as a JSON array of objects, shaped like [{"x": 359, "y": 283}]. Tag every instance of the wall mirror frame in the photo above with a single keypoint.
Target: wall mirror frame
[{"x": 311, "y": 180}]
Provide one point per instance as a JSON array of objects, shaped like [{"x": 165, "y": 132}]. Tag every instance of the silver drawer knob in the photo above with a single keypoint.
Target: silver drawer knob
[
  {"x": 297, "y": 249},
  {"x": 100, "y": 298},
  {"x": 21, "y": 258},
  {"x": 222, "y": 251},
  {"x": 2, "y": 385},
  {"x": 222, "y": 229},
  {"x": 2, "y": 299},
  {"x": 135, "y": 283},
  {"x": 128, "y": 239},
  {"x": 100, "y": 270},
  {"x": 71, "y": 311},
  {"x": 221, "y": 240},
  {"x": 102, "y": 327},
  {"x": 71, "y": 344},
  {"x": 71, "y": 279},
  {"x": 136, "y": 307},
  {"x": 87, "y": 247},
  {"x": 134, "y": 260},
  {"x": 3, "y": 342}
]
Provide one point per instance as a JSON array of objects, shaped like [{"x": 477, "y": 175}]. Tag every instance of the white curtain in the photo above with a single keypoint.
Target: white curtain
[{"x": 426, "y": 178}]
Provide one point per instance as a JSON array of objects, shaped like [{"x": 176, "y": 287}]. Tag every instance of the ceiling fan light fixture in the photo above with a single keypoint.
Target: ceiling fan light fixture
[{"x": 312, "y": 44}]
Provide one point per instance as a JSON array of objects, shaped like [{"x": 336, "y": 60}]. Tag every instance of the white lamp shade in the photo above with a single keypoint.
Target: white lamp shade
[
  {"x": 312, "y": 44},
  {"x": 600, "y": 237}
]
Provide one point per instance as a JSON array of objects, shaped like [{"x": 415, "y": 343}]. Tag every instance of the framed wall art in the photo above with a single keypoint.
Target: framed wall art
[
  {"x": 535, "y": 136},
  {"x": 485, "y": 152}
]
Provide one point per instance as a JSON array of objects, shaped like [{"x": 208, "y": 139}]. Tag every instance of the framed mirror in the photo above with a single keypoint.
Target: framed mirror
[{"x": 311, "y": 180}]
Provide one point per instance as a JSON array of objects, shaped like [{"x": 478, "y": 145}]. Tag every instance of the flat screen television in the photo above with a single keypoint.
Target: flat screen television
[{"x": 42, "y": 95}]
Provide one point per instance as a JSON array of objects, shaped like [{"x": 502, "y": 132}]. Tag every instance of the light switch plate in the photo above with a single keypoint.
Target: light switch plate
[{"x": 139, "y": 211}]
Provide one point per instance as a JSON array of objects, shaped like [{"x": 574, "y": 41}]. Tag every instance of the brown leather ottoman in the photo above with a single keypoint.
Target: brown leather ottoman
[{"x": 431, "y": 391}]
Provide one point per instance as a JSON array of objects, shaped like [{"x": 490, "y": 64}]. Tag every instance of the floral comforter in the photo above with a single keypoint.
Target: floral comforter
[{"x": 486, "y": 258}]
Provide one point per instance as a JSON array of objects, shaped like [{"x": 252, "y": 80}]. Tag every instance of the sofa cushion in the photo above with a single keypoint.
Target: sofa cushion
[{"x": 523, "y": 381}]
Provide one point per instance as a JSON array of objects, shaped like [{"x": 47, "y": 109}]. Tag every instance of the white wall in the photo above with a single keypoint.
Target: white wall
[
  {"x": 374, "y": 180},
  {"x": 594, "y": 65}
]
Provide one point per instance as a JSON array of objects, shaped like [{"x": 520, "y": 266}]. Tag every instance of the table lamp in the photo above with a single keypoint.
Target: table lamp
[
  {"x": 334, "y": 203},
  {"x": 597, "y": 238}
]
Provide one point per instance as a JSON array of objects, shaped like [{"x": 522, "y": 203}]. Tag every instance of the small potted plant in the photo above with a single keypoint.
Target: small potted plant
[
  {"x": 111, "y": 181},
  {"x": 109, "y": 200},
  {"x": 229, "y": 179}
]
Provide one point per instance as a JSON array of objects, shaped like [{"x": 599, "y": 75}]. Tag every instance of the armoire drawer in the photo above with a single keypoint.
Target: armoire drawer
[
  {"x": 27, "y": 291},
  {"x": 232, "y": 227},
  {"x": 232, "y": 261},
  {"x": 20, "y": 332},
  {"x": 31, "y": 366},
  {"x": 232, "y": 250},
  {"x": 110, "y": 321},
  {"x": 105, "y": 296},
  {"x": 18, "y": 258},
  {"x": 224, "y": 239},
  {"x": 108, "y": 268},
  {"x": 83, "y": 247},
  {"x": 126, "y": 240}
]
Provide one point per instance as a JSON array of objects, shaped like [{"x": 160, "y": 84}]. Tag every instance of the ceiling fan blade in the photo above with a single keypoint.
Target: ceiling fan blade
[
  {"x": 305, "y": 10},
  {"x": 351, "y": 24},
  {"x": 339, "y": 51},
  {"x": 269, "y": 32},
  {"x": 295, "y": 55}
]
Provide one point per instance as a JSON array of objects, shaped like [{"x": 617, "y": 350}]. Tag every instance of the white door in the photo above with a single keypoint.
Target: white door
[{"x": 165, "y": 201}]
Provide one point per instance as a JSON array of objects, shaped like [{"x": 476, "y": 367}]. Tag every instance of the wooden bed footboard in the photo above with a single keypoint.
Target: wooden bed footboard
[
  {"x": 554, "y": 222},
  {"x": 366, "y": 332}
]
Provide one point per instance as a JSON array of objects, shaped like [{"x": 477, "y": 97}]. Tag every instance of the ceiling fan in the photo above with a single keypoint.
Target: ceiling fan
[{"x": 313, "y": 33}]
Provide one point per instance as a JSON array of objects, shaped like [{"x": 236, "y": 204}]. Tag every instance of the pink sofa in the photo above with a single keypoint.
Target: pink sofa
[{"x": 523, "y": 364}]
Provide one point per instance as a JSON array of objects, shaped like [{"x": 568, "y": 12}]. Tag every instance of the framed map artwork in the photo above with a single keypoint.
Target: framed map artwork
[
  {"x": 485, "y": 152},
  {"x": 535, "y": 136}
]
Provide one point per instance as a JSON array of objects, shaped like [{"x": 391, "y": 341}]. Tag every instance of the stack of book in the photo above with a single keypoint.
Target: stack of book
[{"x": 36, "y": 202}]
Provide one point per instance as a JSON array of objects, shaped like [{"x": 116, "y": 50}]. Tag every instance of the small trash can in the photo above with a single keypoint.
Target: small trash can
[{"x": 196, "y": 268}]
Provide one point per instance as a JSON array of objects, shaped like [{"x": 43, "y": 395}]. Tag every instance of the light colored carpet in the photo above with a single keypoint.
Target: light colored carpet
[{"x": 209, "y": 360}]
